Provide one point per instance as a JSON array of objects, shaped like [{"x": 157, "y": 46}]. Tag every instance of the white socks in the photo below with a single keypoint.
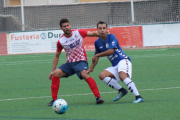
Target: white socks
[
  {"x": 131, "y": 86},
  {"x": 128, "y": 82},
  {"x": 112, "y": 83}
]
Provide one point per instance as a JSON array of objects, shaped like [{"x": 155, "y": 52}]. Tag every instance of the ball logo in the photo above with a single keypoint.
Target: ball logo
[
  {"x": 43, "y": 36},
  {"x": 107, "y": 45}
]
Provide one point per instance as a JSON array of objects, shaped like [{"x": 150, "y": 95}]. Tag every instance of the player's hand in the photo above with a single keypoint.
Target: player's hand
[
  {"x": 89, "y": 70},
  {"x": 50, "y": 76}
]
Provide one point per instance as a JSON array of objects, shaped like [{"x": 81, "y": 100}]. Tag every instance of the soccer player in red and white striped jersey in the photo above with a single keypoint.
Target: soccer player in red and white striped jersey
[{"x": 72, "y": 42}]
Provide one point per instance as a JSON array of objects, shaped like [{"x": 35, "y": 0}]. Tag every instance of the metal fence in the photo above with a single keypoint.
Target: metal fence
[{"x": 38, "y": 16}]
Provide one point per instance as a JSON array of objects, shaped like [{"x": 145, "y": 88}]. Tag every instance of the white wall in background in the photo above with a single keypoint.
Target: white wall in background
[{"x": 161, "y": 34}]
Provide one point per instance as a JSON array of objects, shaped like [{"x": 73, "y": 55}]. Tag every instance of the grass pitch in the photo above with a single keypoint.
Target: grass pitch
[{"x": 25, "y": 88}]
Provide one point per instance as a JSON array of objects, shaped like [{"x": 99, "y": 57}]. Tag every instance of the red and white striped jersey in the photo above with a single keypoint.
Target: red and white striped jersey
[{"x": 73, "y": 46}]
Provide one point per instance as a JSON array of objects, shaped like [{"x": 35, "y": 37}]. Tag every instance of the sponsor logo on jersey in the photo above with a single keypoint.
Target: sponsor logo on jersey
[
  {"x": 66, "y": 47},
  {"x": 112, "y": 57},
  {"x": 74, "y": 44}
]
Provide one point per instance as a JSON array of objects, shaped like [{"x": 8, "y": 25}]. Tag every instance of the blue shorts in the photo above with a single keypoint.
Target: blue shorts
[{"x": 74, "y": 67}]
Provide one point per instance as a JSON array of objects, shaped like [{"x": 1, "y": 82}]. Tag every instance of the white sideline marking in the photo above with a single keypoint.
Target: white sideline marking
[
  {"x": 89, "y": 58},
  {"x": 150, "y": 49},
  {"x": 37, "y": 61},
  {"x": 160, "y": 88},
  {"x": 85, "y": 94}
]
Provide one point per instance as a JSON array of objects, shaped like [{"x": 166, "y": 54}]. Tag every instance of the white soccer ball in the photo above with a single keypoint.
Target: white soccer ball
[{"x": 60, "y": 106}]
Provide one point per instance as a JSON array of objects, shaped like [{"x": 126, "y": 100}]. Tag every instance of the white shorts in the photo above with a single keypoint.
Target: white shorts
[{"x": 124, "y": 65}]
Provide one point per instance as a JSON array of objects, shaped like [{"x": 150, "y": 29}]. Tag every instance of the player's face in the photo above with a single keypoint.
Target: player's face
[
  {"x": 66, "y": 27},
  {"x": 102, "y": 30}
]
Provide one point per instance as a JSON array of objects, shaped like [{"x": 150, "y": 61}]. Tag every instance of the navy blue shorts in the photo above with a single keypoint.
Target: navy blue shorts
[{"x": 74, "y": 67}]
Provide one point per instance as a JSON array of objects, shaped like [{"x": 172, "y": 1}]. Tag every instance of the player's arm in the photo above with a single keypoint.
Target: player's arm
[
  {"x": 94, "y": 59},
  {"x": 55, "y": 62},
  {"x": 56, "y": 59},
  {"x": 94, "y": 63},
  {"x": 85, "y": 33},
  {"x": 93, "y": 34},
  {"x": 106, "y": 53}
]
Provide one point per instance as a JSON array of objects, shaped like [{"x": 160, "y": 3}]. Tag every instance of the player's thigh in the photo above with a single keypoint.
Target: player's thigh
[
  {"x": 67, "y": 69},
  {"x": 80, "y": 69},
  {"x": 125, "y": 69},
  {"x": 110, "y": 72},
  {"x": 59, "y": 73}
]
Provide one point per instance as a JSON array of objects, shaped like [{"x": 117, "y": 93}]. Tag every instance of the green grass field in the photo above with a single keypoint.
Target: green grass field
[{"x": 25, "y": 88}]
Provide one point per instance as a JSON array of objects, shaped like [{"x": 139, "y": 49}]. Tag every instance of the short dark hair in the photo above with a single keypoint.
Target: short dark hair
[
  {"x": 64, "y": 20},
  {"x": 101, "y": 22}
]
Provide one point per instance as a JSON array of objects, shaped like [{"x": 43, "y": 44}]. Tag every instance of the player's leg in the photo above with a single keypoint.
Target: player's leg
[
  {"x": 63, "y": 71},
  {"x": 93, "y": 86},
  {"x": 57, "y": 74},
  {"x": 125, "y": 73},
  {"x": 110, "y": 77},
  {"x": 80, "y": 70}
]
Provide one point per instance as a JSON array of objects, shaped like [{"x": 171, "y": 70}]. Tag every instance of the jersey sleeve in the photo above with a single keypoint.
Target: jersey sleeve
[
  {"x": 113, "y": 42},
  {"x": 59, "y": 47},
  {"x": 83, "y": 33},
  {"x": 97, "y": 50}
]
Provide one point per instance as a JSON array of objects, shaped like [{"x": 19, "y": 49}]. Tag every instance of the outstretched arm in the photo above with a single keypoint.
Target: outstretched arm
[
  {"x": 93, "y": 34},
  {"x": 55, "y": 62}
]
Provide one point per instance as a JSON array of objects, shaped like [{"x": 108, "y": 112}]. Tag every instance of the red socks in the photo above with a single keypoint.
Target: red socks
[
  {"x": 56, "y": 83},
  {"x": 55, "y": 87},
  {"x": 93, "y": 86}
]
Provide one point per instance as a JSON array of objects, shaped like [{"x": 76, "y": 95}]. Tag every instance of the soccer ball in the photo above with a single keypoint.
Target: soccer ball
[{"x": 60, "y": 106}]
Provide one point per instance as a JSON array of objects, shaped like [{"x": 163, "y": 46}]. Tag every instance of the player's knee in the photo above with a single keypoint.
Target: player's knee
[
  {"x": 84, "y": 74},
  {"x": 58, "y": 73},
  {"x": 122, "y": 75},
  {"x": 102, "y": 76}
]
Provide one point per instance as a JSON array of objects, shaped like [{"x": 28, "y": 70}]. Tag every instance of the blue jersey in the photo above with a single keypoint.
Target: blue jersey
[{"x": 111, "y": 42}]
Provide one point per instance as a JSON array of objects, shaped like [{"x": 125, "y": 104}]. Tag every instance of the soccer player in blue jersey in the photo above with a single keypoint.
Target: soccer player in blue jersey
[{"x": 121, "y": 69}]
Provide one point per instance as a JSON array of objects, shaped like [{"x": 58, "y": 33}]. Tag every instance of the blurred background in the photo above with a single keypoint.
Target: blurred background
[{"x": 30, "y": 15}]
